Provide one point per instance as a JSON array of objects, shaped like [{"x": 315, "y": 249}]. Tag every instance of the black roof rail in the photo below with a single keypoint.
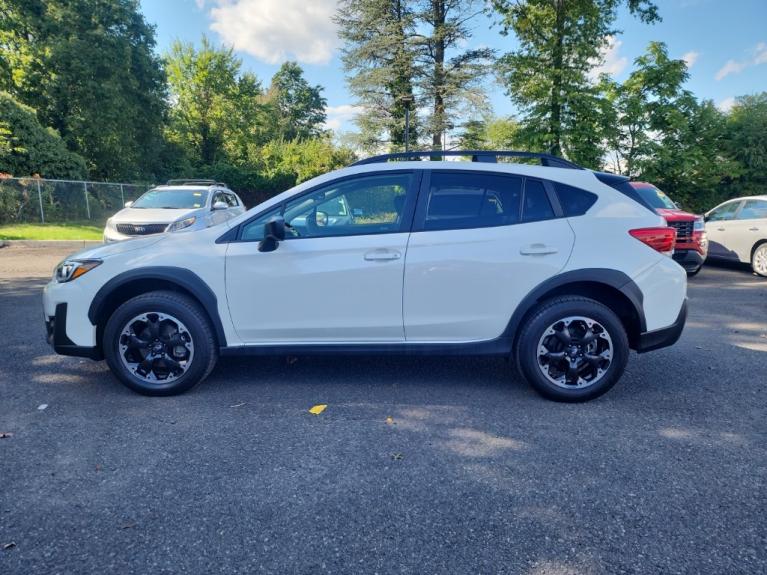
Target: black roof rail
[
  {"x": 194, "y": 182},
  {"x": 476, "y": 156}
]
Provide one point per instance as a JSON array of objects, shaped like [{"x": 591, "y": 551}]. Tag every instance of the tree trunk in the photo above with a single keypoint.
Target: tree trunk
[
  {"x": 555, "y": 119},
  {"x": 438, "y": 124}
]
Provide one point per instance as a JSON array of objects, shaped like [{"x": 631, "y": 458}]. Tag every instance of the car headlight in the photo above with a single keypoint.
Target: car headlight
[
  {"x": 111, "y": 225},
  {"x": 69, "y": 270},
  {"x": 699, "y": 224},
  {"x": 181, "y": 224}
]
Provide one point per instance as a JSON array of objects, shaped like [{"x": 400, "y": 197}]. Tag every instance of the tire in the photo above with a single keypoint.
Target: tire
[
  {"x": 759, "y": 260},
  {"x": 600, "y": 360},
  {"x": 162, "y": 323},
  {"x": 693, "y": 273}
]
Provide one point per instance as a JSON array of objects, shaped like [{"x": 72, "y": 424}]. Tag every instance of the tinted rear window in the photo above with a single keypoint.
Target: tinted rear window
[
  {"x": 461, "y": 200},
  {"x": 574, "y": 201},
  {"x": 536, "y": 205}
]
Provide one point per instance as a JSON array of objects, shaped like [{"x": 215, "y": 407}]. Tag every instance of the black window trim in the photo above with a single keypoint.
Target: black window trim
[
  {"x": 406, "y": 224},
  {"x": 419, "y": 218}
]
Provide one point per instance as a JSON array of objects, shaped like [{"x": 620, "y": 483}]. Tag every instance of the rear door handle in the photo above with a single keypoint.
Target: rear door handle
[
  {"x": 720, "y": 229},
  {"x": 537, "y": 250},
  {"x": 382, "y": 254}
]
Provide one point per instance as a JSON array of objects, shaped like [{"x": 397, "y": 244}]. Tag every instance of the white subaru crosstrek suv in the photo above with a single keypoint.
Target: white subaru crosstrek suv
[
  {"x": 560, "y": 268},
  {"x": 177, "y": 205}
]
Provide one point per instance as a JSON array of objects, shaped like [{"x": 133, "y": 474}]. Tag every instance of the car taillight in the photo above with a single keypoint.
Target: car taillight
[{"x": 659, "y": 239}]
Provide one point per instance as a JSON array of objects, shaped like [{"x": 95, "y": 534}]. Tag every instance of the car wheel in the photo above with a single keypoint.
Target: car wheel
[
  {"x": 160, "y": 343},
  {"x": 759, "y": 260},
  {"x": 691, "y": 273},
  {"x": 572, "y": 349}
]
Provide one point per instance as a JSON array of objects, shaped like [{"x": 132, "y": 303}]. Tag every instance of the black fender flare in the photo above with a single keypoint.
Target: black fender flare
[
  {"x": 182, "y": 277},
  {"x": 611, "y": 278}
]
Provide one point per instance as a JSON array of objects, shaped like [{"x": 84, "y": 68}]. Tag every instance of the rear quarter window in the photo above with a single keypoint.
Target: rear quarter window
[{"x": 574, "y": 201}]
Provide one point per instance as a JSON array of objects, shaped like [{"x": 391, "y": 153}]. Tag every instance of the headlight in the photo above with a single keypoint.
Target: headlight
[
  {"x": 111, "y": 225},
  {"x": 699, "y": 224},
  {"x": 69, "y": 270},
  {"x": 181, "y": 224}
]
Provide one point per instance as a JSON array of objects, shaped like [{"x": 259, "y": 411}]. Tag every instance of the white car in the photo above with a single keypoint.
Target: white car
[
  {"x": 560, "y": 268},
  {"x": 737, "y": 231},
  {"x": 177, "y": 205}
]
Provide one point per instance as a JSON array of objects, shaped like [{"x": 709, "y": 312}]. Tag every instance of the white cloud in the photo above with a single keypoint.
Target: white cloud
[
  {"x": 340, "y": 115},
  {"x": 612, "y": 62},
  {"x": 690, "y": 58},
  {"x": 731, "y": 67},
  {"x": 759, "y": 56},
  {"x": 277, "y": 30},
  {"x": 726, "y": 104}
]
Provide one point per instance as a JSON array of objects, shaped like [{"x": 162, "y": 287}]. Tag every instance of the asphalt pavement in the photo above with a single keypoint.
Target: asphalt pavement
[{"x": 417, "y": 465}]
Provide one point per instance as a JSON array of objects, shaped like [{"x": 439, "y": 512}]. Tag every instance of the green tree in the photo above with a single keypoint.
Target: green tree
[
  {"x": 448, "y": 83},
  {"x": 547, "y": 77},
  {"x": 28, "y": 148},
  {"x": 490, "y": 134},
  {"x": 89, "y": 69},
  {"x": 378, "y": 58},
  {"x": 218, "y": 111},
  {"x": 746, "y": 142},
  {"x": 299, "y": 106}
]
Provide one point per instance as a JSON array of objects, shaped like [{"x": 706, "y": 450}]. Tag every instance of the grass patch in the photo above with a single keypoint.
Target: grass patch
[{"x": 74, "y": 231}]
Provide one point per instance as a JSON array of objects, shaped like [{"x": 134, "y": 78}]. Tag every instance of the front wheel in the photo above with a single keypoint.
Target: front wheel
[
  {"x": 572, "y": 349},
  {"x": 160, "y": 343},
  {"x": 759, "y": 260}
]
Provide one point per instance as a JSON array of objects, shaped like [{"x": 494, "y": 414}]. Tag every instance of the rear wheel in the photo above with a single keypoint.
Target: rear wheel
[
  {"x": 159, "y": 343},
  {"x": 759, "y": 260},
  {"x": 572, "y": 349}
]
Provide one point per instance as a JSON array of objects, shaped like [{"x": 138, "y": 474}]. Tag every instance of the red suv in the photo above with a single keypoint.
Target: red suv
[{"x": 691, "y": 244}]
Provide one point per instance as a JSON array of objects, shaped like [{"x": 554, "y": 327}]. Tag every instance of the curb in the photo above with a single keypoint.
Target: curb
[{"x": 48, "y": 244}]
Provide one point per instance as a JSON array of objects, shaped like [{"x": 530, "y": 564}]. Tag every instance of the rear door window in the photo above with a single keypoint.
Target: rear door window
[{"x": 460, "y": 200}]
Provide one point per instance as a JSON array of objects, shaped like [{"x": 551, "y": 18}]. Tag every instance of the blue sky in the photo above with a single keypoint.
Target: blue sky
[{"x": 725, "y": 41}]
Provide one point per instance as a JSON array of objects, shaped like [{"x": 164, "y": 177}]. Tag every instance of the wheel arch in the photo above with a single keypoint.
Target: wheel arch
[
  {"x": 756, "y": 245},
  {"x": 612, "y": 288},
  {"x": 132, "y": 283}
]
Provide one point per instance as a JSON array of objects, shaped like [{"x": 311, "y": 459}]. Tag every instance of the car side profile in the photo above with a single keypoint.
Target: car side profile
[
  {"x": 737, "y": 231},
  {"x": 177, "y": 205},
  {"x": 561, "y": 269}
]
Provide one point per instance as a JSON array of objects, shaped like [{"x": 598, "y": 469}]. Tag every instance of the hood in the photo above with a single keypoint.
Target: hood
[
  {"x": 149, "y": 215},
  {"x": 676, "y": 215},
  {"x": 107, "y": 250}
]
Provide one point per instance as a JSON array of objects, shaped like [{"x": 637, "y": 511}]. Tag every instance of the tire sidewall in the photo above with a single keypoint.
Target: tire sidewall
[
  {"x": 527, "y": 349},
  {"x": 158, "y": 304},
  {"x": 761, "y": 247}
]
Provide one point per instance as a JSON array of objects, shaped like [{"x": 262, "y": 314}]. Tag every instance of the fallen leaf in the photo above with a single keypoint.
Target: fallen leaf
[
  {"x": 42, "y": 406},
  {"x": 238, "y": 404},
  {"x": 397, "y": 456},
  {"x": 10, "y": 545},
  {"x": 389, "y": 420},
  {"x": 127, "y": 526},
  {"x": 5, "y": 435},
  {"x": 317, "y": 409}
]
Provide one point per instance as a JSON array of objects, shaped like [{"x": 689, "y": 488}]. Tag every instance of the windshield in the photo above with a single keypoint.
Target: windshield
[
  {"x": 172, "y": 199},
  {"x": 656, "y": 198}
]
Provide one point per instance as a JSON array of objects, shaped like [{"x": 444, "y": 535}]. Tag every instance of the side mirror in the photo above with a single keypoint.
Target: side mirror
[
  {"x": 274, "y": 233},
  {"x": 128, "y": 204},
  {"x": 219, "y": 205},
  {"x": 706, "y": 217}
]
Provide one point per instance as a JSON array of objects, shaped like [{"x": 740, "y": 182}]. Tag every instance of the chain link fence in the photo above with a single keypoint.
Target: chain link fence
[{"x": 36, "y": 200}]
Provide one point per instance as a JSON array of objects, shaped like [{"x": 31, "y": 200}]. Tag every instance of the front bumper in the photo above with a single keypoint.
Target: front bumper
[
  {"x": 664, "y": 337},
  {"x": 56, "y": 331}
]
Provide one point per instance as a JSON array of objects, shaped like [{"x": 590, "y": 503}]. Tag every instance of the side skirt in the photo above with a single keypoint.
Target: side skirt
[{"x": 500, "y": 346}]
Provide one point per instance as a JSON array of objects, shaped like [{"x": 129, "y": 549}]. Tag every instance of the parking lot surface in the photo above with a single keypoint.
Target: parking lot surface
[{"x": 417, "y": 465}]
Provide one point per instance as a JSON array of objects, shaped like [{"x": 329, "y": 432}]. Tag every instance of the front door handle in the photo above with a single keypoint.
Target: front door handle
[
  {"x": 537, "y": 250},
  {"x": 382, "y": 254},
  {"x": 753, "y": 229}
]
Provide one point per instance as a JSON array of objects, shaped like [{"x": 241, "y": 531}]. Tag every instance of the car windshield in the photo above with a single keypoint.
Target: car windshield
[
  {"x": 172, "y": 199},
  {"x": 656, "y": 198}
]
